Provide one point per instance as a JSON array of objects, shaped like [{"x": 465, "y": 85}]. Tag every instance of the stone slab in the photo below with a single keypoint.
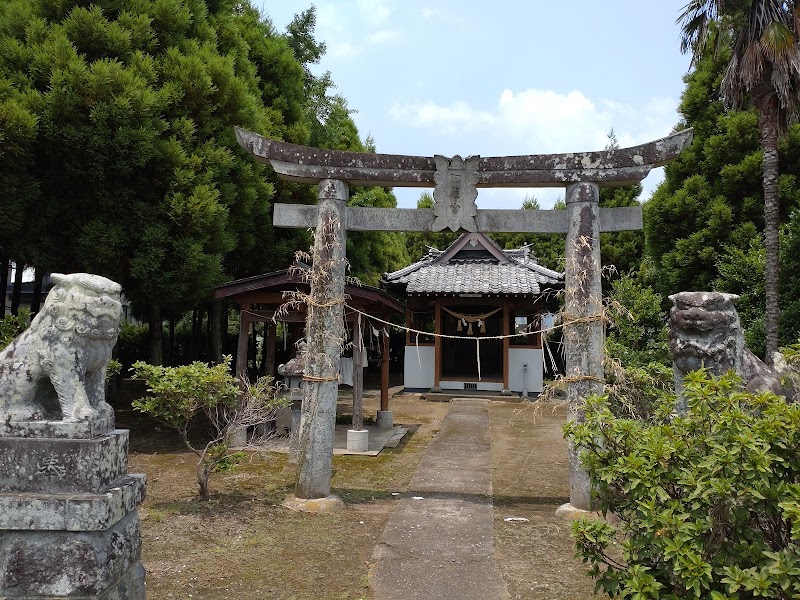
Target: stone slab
[
  {"x": 87, "y": 429},
  {"x": 619, "y": 166},
  {"x": 426, "y": 579},
  {"x": 71, "y": 511},
  {"x": 397, "y": 437},
  {"x": 458, "y": 458},
  {"x": 421, "y": 219},
  {"x": 378, "y": 440},
  {"x": 63, "y": 465},
  {"x": 463, "y": 528},
  {"x": 90, "y": 565},
  {"x": 439, "y": 541}
]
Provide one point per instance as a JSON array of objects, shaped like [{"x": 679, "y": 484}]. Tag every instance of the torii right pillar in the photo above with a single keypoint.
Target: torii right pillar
[{"x": 583, "y": 318}]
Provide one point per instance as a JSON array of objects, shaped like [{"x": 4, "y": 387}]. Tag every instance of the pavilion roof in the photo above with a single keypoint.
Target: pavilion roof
[
  {"x": 475, "y": 264},
  {"x": 268, "y": 288}
]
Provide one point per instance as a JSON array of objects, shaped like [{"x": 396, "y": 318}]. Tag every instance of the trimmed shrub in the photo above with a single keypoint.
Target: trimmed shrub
[{"x": 708, "y": 502}]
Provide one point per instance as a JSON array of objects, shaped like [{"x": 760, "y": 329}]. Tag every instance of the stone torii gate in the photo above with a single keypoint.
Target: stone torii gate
[{"x": 455, "y": 182}]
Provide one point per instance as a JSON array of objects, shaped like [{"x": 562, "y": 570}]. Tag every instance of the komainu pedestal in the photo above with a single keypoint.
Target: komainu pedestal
[{"x": 68, "y": 521}]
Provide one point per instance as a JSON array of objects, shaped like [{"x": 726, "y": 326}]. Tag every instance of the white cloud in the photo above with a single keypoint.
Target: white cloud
[
  {"x": 447, "y": 119},
  {"x": 330, "y": 20},
  {"x": 427, "y": 13},
  {"x": 376, "y": 11},
  {"x": 380, "y": 37},
  {"x": 536, "y": 121},
  {"x": 336, "y": 22},
  {"x": 342, "y": 49},
  {"x": 552, "y": 121}
]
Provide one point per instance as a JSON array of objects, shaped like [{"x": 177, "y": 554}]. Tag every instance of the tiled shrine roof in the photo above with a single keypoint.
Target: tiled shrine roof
[{"x": 474, "y": 264}]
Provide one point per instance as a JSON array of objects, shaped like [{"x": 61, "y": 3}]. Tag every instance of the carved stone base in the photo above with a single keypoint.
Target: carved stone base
[
  {"x": 68, "y": 521},
  {"x": 71, "y": 512},
  {"x": 98, "y": 565}
]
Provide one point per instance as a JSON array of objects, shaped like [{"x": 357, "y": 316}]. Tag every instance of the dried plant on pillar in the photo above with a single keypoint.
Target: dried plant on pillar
[{"x": 324, "y": 340}]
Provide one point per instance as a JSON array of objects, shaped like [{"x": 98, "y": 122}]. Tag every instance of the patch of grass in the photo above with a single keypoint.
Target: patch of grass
[
  {"x": 353, "y": 496},
  {"x": 347, "y": 419}
]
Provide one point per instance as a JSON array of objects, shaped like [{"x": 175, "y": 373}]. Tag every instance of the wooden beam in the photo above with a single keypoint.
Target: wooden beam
[
  {"x": 244, "y": 339},
  {"x": 268, "y": 315},
  {"x": 358, "y": 377},
  {"x": 253, "y": 345},
  {"x": 385, "y": 370},
  {"x": 437, "y": 366},
  {"x": 506, "y": 341},
  {"x": 269, "y": 350}
]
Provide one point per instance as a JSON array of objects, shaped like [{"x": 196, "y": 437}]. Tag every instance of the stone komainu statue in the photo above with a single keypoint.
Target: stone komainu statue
[
  {"x": 56, "y": 370},
  {"x": 705, "y": 332}
]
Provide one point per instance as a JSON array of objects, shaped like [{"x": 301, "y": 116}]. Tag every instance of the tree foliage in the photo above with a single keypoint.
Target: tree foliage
[
  {"x": 707, "y": 502},
  {"x": 704, "y": 222},
  {"x": 177, "y": 396},
  {"x": 12, "y": 326},
  {"x": 637, "y": 331},
  {"x": 637, "y": 359},
  {"x": 117, "y": 145},
  {"x": 621, "y": 252},
  {"x": 763, "y": 72},
  {"x": 373, "y": 253}
]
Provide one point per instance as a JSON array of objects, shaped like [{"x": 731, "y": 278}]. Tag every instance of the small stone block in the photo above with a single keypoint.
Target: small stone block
[
  {"x": 357, "y": 440},
  {"x": 63, "y": 465},
  {"x": 71, "y": 512},
  {"x": 570, "y": 512},
  {"x": 385, "y": 419},
  {"x": 79, "y": 430},
  {"x": 328, "y": 504}
]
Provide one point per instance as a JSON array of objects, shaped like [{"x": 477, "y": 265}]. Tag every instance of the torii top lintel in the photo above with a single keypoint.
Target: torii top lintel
[{"x": 615, "y": 167}]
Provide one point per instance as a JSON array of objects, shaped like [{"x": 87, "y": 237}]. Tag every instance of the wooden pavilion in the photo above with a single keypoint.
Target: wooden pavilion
[
  {"x": 474, "y": 313},
  {"x": 259, "y": 299}
]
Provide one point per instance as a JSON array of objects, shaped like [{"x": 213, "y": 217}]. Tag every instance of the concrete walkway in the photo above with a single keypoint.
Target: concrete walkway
[{"x": 438, "y": 543}]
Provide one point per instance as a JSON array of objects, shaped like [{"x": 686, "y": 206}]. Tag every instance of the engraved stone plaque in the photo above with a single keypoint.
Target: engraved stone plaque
[{"x": 455, "y": 193}]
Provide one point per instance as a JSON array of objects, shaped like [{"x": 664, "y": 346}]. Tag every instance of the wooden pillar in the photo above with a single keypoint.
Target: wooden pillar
[
  {"x": 295, "y": 333},
  {"x": 437, "y": 347},
  {"x": 358, "y": 376},
  {"x": 506, "y": 329},
  {"x": 244, "y": 340},
  {"x": 385, "y": 369},
  {"x": 269, "y": 349},
  {"x": 239, "y": 437},
  {"x": 215, "y": 325},
  {"x": 254, "y": 344}
]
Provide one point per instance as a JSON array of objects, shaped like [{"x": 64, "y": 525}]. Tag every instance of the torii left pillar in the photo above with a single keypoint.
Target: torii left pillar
[{"x": 324, "y": 338}]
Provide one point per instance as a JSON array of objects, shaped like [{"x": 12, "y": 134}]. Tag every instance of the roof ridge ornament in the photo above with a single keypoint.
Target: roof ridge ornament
[{"x": 455, "y": 193}]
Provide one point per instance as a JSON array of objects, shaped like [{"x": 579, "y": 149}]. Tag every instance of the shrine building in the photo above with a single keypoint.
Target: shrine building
[{"x": 474, "y": 314}]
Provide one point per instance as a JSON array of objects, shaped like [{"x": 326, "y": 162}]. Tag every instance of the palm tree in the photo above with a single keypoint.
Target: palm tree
[{"x": 764, "y": 72}]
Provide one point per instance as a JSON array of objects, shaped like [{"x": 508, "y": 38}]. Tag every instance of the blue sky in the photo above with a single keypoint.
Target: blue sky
[{"x": 501, "y": 78}]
